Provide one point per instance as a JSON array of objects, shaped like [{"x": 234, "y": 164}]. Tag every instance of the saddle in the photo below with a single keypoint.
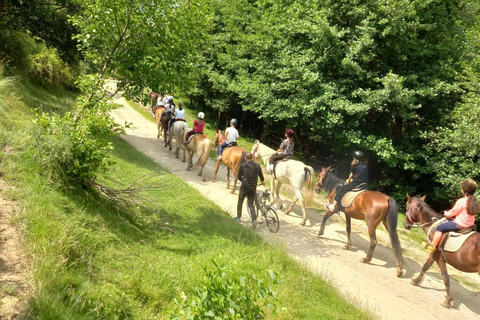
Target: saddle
[
  {"x": 281, "y": 160},
  {"x": 451, "y": 241},
  {"x": 193, "y": 135},
  {"x": 350, "y": 196},
  {"x": 231, "y": 144}
]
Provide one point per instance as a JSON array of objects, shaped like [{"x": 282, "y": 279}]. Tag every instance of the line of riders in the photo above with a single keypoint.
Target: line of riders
[{"x": 461, "y": 216}]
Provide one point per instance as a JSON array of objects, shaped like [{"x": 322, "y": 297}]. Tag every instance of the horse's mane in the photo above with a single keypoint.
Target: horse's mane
[
  {"x": 330, "y": 181},
  {"x": 426, "y": 211}
]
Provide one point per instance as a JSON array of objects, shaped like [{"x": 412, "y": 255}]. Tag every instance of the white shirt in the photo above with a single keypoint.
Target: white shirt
[
  {"x": 232, "y": 134},
  {"x": 180, "y": 114},
  {"x": 169, "y": 107}
]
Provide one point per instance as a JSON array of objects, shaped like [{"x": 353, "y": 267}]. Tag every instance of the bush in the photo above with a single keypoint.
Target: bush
[
  {"x": 71, "y": 151},
  {"x": 46, "y": 67},
  {"x": 226, "y": 295}
]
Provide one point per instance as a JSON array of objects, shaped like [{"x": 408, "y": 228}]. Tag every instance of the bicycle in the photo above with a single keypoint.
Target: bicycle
[{"x": 268, "y": 212}]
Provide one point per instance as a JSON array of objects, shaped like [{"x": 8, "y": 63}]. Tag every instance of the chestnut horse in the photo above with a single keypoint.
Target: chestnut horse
[
  {"x": 292, "y": 172},
  {"x": 466, "y": 259},
  {"x": 200, "y": 144},
  {"x": 158, "y": 116},
  {"x": 373, "y": 207},
  {"x": 232, "y": 158}
]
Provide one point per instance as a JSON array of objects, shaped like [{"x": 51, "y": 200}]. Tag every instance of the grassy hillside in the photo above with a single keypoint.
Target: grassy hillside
[{"x": 92, "y": 259}]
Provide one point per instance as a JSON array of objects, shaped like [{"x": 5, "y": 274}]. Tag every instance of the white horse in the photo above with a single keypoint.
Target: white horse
[
  {"x": 178, "y": 130},
  {"x": 293, "y": 172}
]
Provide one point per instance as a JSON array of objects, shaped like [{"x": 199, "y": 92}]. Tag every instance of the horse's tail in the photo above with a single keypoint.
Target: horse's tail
[
  {"x": 202, "y": 158},
  {"x": 242, "y": 160},
  {"x": 392, "y": 217},
  {"x": 309, "y": 179}
]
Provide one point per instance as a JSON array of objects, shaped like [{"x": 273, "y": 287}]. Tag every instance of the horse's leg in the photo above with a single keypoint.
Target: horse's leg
[
  {"x": 272, "y": 191},
  {"x": 228, "y": 178},
  {"x": 324, "y": 221},
  {"x": 425, "y": 268},
  {"x": 373, "y": 242},
  {"x": 190, "y": 162},
  {"x": 348, "y": 221},
  {"x": 279, "y": 204},
  {"x": 216, "y": 170},
  {"x": 449, "y": 298},
  {"x": 234, "y": 172},
  {"x": 184, "y": 152}
]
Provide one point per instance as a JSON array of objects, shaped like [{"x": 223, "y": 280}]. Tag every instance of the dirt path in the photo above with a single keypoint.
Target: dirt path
[{"x": 374, "y": 287}]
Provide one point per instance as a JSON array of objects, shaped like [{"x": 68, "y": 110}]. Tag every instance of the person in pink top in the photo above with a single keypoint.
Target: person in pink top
[
  {"x": 198, "y": 125},
  {"x": 461, "y": 216}
]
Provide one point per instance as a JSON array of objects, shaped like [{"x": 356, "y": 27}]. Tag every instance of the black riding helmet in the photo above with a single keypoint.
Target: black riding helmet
[{"x": 359, "y": 155}]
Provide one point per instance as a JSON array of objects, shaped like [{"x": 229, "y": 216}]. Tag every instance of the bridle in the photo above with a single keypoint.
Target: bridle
[{"x": 413, "y": 205}]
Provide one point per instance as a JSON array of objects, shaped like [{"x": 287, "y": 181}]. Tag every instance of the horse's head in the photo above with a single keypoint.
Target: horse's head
[
  {"x": 255, "y": 153},
  {"x": 219, "y": 138},
  {"x": 320, "y": 177},
  {"x": 415, "y": 207}
]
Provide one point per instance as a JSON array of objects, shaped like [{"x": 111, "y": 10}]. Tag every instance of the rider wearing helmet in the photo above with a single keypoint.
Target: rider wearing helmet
[
  {"x": 231, "y": 134},
  {"x": 285, "y": 149},
  {"x": 358, "y": 175},
  {"x": 198, "y": 125}
]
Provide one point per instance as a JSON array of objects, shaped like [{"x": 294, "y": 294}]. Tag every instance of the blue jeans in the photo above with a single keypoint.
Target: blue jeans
[
  {"x": 220, "y": 149},
  {"x": 450, "y": 225}
]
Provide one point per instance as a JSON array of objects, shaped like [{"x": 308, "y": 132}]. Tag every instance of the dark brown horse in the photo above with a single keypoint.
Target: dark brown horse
[
  {"x": 466, "y": 259},
  {"x": 232, "y": 158},
  {"x": 166, "y": 116},
  {"x": 373, "y": 207}
]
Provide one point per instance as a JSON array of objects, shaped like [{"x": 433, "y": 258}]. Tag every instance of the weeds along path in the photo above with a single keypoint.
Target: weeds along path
[{"x": 372, "y": 287}]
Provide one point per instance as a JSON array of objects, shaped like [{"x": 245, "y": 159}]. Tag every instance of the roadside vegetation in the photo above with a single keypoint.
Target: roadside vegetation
[{"x": 93, "y": 258}]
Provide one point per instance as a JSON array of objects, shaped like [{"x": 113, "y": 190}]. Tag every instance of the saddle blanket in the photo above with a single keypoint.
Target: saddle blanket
[{"x": 454, "y": 240}]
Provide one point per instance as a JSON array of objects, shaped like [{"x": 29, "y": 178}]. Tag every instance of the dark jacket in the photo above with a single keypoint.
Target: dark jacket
[{"x": 248, "y": 173}]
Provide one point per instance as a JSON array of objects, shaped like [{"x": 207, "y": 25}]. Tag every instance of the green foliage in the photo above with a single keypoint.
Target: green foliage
[
  {"x": 46, "y": 67},
  {"x": 72, "y": 151},
  {"x": 226, "y": 295}
]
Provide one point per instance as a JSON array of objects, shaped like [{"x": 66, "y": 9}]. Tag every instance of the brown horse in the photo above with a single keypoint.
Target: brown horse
[
  {"x": 466, "y": 259},
  {"x": 164, "y": 123},
  {"x": 158, "y": 116},
  {"x": 373, "y": 207},
  {"x": 232, "y": 158},
  {"x": 200, "y": 144}
]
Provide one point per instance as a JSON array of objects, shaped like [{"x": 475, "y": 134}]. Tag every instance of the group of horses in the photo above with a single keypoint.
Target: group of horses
[{"x": 372, "y": 206}]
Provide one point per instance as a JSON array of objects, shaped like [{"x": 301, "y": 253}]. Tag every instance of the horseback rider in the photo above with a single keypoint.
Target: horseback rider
[
  {"x": 358, "y": 175},
  {"x": 462, "y": 215},
  {"x": 169, "y": 111},
  {"x": 198, "y": 125},
  {"x": 231, "y": 134},
  {"x": 180, "y": 112},
  {"x": 285, "y": 149}
]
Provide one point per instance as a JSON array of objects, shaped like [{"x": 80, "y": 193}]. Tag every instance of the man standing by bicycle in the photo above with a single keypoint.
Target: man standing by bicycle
[{"x": 248, "y": 174}]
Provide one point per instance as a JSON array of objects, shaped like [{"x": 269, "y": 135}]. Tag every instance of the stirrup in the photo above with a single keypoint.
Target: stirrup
[{"x": 431, "y": 248}]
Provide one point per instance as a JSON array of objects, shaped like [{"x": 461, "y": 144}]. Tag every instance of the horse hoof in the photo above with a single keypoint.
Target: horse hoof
[
  {"x": 302, "y": 223},
  {"x": 399, "y": 273},
  {"x": 365, "y": 260},
  {"x": 346, "y": 248},
  {"x": 233, "y": 191},
  {"x": 446, "y": 304},
  {"x": 414, "y": 282},
  {"x": 320, "y": 233}
]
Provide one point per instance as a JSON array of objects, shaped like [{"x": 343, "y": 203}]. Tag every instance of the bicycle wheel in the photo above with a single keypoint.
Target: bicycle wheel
[{"x": 271, "y": 218}]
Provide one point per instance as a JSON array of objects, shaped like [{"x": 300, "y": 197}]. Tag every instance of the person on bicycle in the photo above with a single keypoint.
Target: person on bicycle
[{"x": 248, "y": 174}]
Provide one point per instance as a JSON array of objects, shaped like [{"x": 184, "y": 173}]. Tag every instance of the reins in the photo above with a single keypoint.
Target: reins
[{"x": 416, "y": 224}]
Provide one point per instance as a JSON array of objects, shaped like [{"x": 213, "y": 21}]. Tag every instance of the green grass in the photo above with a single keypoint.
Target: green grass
[{"x": 92, "y": 260}]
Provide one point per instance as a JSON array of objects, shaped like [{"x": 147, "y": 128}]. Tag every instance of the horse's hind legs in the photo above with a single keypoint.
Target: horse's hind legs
[
  {"x": 373, "y": 244},
  {"x": 348, "y": 221}
]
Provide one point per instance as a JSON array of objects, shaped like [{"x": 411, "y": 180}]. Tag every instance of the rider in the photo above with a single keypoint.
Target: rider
[
  {"x": 285, "y": 149},
  {"x": 248, "y": 174},
  {"x": 463, "y": 214},
  {"x": 198, "y": 125},
  {"x": 170, "y": 111},
  {"x": 358, "y": 175},
  {"x": 180, "y": 112},
  {"x": 231, "y": 134}
]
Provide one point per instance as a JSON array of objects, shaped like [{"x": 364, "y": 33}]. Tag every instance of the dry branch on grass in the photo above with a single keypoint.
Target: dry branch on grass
[{"x": 130, "y": 197}]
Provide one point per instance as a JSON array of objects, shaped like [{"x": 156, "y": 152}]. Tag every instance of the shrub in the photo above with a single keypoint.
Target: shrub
[
  {"x": 72, "y": 150},
  {"x": 225, "y": 295},
  {"x": 46, "y": 67}
]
